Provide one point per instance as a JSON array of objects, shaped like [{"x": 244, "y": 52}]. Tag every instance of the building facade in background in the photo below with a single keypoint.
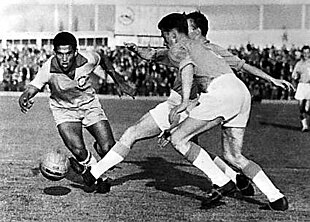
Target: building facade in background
[{"x": 111, "y": 22}]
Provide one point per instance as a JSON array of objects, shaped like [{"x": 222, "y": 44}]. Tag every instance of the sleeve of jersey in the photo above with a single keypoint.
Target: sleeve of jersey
[
  {"x": 95, "y": 58},
  {"x": 42, "y": 76},
  {"x": 161, "y": 56},
  {"x": 233, "y": 61}
]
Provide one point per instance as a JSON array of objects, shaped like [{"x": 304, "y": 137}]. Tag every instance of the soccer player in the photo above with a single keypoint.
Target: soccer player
[
  {"x": 224, "y": 99},
  {"x": 73, "y": 101},
  {"x": 301, "y": 74},
  {"x": 198, "y": 28}
]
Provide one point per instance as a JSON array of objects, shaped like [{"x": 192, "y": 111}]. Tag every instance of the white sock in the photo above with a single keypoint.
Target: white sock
[
  {"x": 266, "y": 186},
  {"x": 304, "y": 123},
  {"x": 225, "y": 168},
  {"x": 206, "y": 165},
  {"x": 113, "y": 157}
]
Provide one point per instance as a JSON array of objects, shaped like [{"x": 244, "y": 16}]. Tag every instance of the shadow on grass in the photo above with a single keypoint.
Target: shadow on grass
[
  {"x": 295, "y": 128},
  {"x": 56, "y": 190},
  {"x": 168, "y": 178}
]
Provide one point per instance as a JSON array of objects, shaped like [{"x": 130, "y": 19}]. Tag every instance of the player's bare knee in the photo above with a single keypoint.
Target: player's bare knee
[{"x": 180, "y": 144}]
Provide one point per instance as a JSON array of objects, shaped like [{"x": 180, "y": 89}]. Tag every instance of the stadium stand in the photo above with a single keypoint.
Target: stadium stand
[{"x": 18, "y": 67}]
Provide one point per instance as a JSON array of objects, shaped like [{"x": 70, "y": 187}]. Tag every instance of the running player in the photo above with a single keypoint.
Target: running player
[
  {"x": 198, "y": 28},
  {"x": 224, "y": 100},
  {"x": 301, "y": 74},
  {"x": 73, "y": 101}
]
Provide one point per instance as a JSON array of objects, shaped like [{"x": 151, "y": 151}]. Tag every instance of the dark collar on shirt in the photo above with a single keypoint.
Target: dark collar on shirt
[{"x": 79, "y": 61}]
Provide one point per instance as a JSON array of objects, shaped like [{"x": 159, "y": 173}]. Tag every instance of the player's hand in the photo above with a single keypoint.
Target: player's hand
[
  {"x": 123, "y": 86},
  {"x": 131, "y": 46},
  {"x": 164, "y": 138},
  {"x": 283, "y": 84},
  {"x": 25, "y": 103}
]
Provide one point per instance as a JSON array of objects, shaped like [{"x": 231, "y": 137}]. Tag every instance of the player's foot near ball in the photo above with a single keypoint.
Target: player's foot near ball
[
  {"x": 244, "y": 185},
  {"x": 278, "y": 205},
  {"x": 82, "y": 170},
  {"x": 103, "y": 185},
  {"x": 99, "y": 185},
  {"x": 217, "y": 193}
]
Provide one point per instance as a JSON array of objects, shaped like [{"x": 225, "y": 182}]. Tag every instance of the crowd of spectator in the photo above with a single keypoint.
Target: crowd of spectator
[{"x": 18, "y": 66}]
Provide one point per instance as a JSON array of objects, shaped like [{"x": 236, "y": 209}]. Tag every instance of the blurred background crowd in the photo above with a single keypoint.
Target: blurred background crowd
[{"x": 18, "y": 67}]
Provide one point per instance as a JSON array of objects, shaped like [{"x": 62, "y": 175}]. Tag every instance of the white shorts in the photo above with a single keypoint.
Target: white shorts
[
  {"x": 303, "y": 91},
  {"x": 161, "y": 112},
  {"x": 227, "y": 97},
  {"x": 87, "y": 114}
]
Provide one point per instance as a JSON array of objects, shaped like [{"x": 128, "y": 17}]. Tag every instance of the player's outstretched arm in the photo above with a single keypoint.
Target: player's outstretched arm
[
  {"x": 26, "y": 98},
  {"x": 150, "y": 54},
  {"x": 122, "y": 86},
  {"x": 259, "y": 73},
  {"x": 237, "y": 64},
  {"x": 144, "y": 53}
]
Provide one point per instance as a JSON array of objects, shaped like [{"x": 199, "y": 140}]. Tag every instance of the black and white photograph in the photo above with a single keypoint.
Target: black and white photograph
[{"x": 155, "y": 110}]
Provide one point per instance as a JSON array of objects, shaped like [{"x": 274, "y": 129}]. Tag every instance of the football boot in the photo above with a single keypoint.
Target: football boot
[
  {"x": 244, "y": 185},
  {"x": 278, "y": 205},
  {"x": 99, "y": 185},
  {"x": 218, "y": 192},
  {"x": 103, "y": 185}
]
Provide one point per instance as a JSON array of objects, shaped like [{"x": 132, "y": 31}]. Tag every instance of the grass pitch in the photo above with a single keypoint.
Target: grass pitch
[{"x": 152, "y": 184}]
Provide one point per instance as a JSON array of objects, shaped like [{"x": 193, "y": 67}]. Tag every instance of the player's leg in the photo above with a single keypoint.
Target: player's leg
[
  {"x": 232, "y": 144},
  {"x": 180, "y": 139},
  {"x": 213, "y": 106},
  {"x": 144, "y": 128},
  {"x": 72, "y": 136},
  {"x": 103, "y": 135},
  {"x": 242, "y": 182},
  {"x": 303, "y": 114},
  {"x": 307, "y": 111}
]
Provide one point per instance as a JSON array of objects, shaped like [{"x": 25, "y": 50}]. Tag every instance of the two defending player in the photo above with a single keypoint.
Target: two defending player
[{"x": 229, "y": 108}]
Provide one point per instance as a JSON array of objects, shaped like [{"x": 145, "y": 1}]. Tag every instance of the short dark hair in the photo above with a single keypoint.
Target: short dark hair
[
  {"x": 64, "y": 38},
  {"x": 305, "y": 47},
  {"x": 174, "y": 21},
  {"x": 200, "y": 21}
]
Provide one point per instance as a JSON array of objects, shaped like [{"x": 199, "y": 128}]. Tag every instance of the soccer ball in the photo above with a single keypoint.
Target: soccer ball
[{"x": 54, "y": 165}]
